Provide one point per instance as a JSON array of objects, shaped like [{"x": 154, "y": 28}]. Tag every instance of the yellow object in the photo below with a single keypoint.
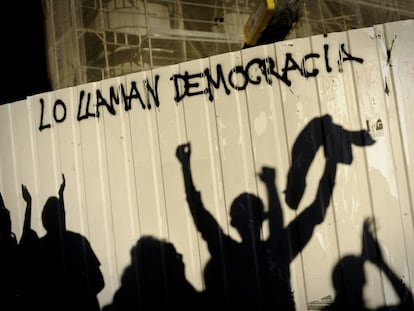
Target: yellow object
[{"x": 258, "y": 20}]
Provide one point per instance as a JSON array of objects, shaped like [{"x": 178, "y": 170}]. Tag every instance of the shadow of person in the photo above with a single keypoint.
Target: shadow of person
[
  {"x": 66, "y": 269},
  {"x": 26, "y": 275},
  {"x": 285, "y": 242},
  {"x": 8, "y": 261},
  {"x": 348, "y": 277},
  {"x": 155, "y": 280},
  {"x": 236, "y": 275}
]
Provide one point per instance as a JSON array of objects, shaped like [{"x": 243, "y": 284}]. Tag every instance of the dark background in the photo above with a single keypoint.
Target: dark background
[{"x": 23, "y": 53}]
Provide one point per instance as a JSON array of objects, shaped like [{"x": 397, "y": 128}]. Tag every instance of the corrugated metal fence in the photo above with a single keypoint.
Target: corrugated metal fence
[{"x": 272, "y": 106}]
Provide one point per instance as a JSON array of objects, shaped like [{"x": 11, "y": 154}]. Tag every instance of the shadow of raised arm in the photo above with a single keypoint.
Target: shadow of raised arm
[
  {"x": 302, "y": 227},
  {"x": 204, "y": 221},
  {"x": 29, "y": 236},
  {"x": 372, "y": 252}
]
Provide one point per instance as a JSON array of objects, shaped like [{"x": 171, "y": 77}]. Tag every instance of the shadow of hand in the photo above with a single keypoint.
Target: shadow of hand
[{"x": 371, "y": 250}]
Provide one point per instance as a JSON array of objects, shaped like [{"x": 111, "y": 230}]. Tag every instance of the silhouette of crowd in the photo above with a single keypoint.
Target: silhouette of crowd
[{"x": 60, "y": 271}]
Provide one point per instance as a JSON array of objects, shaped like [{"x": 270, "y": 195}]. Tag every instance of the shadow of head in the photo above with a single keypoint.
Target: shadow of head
[
  {"x": 337, "y": 144},
  {"x": 153, "y": 257},
  {"x": 53, "y": 215},
  {"x": 247, "y": 210},
  {"x": 348, "y": 277}
]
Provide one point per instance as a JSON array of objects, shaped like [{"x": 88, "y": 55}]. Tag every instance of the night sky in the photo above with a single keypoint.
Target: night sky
[{"x": 23, "y": 57}]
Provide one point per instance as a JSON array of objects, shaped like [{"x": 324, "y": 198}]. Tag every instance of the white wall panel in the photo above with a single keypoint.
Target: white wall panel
[
  {"x": 95, "y": 178},
  {"x": 172, "y": 132},
  {"x": 399, "y": 41},
  {"x": 351, "y": 205},
  {"x": 146, "y": 160},
  {"x": 381, "y": 159},
  {"x": 268, "y": 131},
  {"x": 201, "y": 133},
  {"x": 9, "y": 166},
  {"x": 280, "y": 106}
]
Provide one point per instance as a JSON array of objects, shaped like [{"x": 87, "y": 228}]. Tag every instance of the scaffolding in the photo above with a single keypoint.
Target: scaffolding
[{"x": 91, "y": 40}]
